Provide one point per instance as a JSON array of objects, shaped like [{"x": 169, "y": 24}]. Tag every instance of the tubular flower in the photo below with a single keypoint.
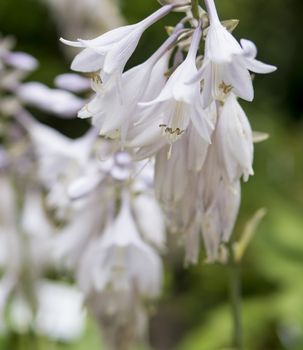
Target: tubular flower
[
  {"x": 111, "y": 51},
  {"x": 236, "y": 140},
  {"x": 113, "y": 108},
  {"x": 226, "y": 63},
  {"x": 120, "y": 259},
  {"x": 179, "y": 109},
  {"x": 179, "y": 103}
]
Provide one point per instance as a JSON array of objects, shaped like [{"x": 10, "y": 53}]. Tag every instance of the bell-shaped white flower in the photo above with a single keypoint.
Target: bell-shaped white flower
[
  {"x": 121, "y": 260},
  {"x": 170, "y": 188},
  {"x": 179, "y": 103},
  {"x": 226, "y": 64},
  {"x": 111, "y": 51},
  {"x": 220, "y": 201},
  {"x": 186, "y": 157},
  {"x": 113, "y": 109},
  {"x": 145, "y": 133},
  {"x": 236, "y": 140},
  {"x": 219, "y": 218}
]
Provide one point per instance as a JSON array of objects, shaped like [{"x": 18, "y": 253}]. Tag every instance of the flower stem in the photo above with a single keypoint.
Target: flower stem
[
  {"x": 195, "y": 9},
  {"x": 235, "y": 296}
]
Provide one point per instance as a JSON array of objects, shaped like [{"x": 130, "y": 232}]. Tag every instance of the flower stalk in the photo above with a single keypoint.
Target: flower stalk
[{"x": 235, "y": 298}]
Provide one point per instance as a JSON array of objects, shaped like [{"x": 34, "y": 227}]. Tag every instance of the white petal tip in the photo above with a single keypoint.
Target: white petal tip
[{"x": 71, "y": 43}]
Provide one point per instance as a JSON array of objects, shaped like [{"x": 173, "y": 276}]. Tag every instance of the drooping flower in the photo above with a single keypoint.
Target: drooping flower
[
  {"x": 208, "y": 208},
  {"x": 236, "y": 140},
  {"x": 111, "y": 51},
  {"x": 121, "y": 260},
  {"x": 220, "y": 202},
  {"x": 226, "y": 64},
  {"x": 113, "y": 109},
  {"x": 179, "y": 103}
]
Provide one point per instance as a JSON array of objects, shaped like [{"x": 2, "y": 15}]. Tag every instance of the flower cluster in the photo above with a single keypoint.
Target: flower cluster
[
  {"x": 105, "y": 239},
  {"x": 167, "y": 149},
  {"x": 76, "y": 206},
  {"x": 28, "y": 299},
  {"x": 180, "y": 107}
]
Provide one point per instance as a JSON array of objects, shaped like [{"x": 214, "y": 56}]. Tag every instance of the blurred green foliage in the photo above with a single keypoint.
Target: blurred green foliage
[{"x": 194, "y": 311}]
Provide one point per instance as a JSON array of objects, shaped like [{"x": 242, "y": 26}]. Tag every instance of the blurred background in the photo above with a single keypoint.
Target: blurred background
[{"x": 194, "y": 308}]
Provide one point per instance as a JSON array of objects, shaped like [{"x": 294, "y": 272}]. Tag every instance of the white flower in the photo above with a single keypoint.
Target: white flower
[
  {"x": 111, "y": 51},
  {"x": 208, "y": 201},
  {"x": 226, "y": 64},
  {"x": 220, "y": 216},
  {"x": 236, "y": 140},
  {"x": 113, "y": 109},
  {"x": 146, "y": 132},
  {"x": 185, "y": 157},
  {"x": 179, "y": 103},
  {"x": 56, "y": 151},
  {"x": 170, "y": 188},
  {"x": 120, "y": 260},
  {"x": 60, "y": 160},
  {"x": 110, "y": 110},
  {"x": 55, "y": 101},
  {"x": 220, "y": 200}
]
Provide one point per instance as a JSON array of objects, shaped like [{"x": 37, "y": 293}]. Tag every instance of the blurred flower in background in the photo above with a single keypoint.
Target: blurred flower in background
[{"x": 77, "y": 18}]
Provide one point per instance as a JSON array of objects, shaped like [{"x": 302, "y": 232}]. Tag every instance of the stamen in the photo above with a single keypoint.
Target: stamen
[
  {"x": 225, "y": 88},
  {"x": 96, "y": 82},
  {"x": 172, "y": 134}
]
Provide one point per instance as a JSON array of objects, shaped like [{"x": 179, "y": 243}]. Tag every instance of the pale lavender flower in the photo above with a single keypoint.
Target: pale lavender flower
[
  {"x": 226, "y": 64},
  {"x": 120, "y": 259},
  {"x": 72, "y": 82},
  {"x": 236, "y": 140},
  {"x": 180, "y": 103},
  {"x": 111, "y": 51},
  {"x": 55, "y": 101},
  {"x": 114, "y": 108}
]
